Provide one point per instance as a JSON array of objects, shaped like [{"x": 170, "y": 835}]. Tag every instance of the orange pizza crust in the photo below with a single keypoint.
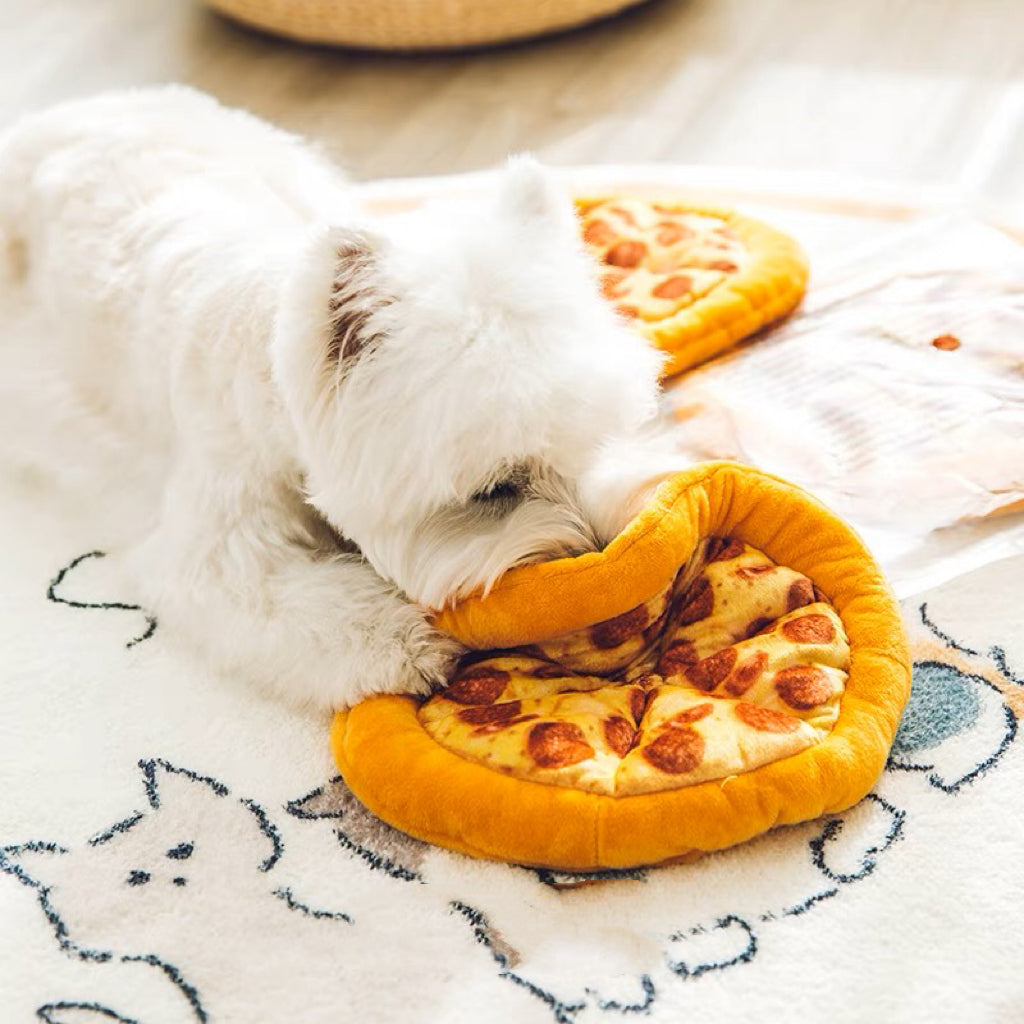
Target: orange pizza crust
[
  {"x": 693, "y": 280},
  {"x": 768, "y": 695}
]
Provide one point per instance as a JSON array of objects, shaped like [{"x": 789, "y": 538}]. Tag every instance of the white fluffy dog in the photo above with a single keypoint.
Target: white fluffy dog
[{"x": 360, "y": 421}]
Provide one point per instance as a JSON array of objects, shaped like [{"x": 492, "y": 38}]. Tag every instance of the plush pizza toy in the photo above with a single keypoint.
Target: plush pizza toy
[
  {"x": 692, "y": 280},
  {"x": 732, "y": 661}
]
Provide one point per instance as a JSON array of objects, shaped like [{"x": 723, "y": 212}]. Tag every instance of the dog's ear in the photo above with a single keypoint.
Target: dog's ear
[
  {"x": 531, "y": 195},
  {"x": 356, "y": 294},
  {"x": 324, "y": 322}
]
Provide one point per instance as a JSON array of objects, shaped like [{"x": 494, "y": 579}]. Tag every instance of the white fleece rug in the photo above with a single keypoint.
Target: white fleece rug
[{"x": 176, "y": 850}]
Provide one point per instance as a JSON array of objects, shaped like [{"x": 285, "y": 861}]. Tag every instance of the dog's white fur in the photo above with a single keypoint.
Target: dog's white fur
[{"x": 360, "y": 420}]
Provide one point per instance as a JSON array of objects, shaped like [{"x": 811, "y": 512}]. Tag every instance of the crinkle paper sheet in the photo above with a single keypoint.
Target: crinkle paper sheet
[{"x": 896, "y": 395}]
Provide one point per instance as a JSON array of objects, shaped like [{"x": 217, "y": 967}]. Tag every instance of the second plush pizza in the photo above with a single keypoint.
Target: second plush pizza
[
  {"x": 692, "y": 280},
  {"x": 738, "y": 663}
]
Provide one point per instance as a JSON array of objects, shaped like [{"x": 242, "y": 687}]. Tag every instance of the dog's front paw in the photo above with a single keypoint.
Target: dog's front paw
[
  {"x": 406, "y": 656},
  {"x": 431, "y": 655}
]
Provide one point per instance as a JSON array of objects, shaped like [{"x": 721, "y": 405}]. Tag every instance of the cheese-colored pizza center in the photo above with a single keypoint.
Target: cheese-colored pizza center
[
  {"x": 737, "y": 663},
  {"x": 655, "y": 258}
]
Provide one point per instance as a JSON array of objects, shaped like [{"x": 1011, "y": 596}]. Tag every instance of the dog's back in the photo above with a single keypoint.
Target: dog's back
[{"x": 139, "y": 227}]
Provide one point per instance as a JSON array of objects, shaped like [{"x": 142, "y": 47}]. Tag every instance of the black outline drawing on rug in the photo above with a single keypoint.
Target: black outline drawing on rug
[
  {"x": 996, "y": 654},
  {"x": 683, "y": 970},
  {"x": 180, "y": 852},
  {"x": 44, "y": 1012},
  {"x": 895, "y": 764},
  {"x": 341, "y": 806},
  {"x": 349, "y": 840},
  {"x": 52, "y": 595},
  {"x": 563, "y": 1012}
]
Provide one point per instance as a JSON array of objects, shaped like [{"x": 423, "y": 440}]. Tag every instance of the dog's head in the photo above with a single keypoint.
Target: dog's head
[{"x": 452, "y": 377}]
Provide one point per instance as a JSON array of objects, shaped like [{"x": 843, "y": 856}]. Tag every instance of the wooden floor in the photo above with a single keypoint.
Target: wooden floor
[{"x": 906, "y": 91}]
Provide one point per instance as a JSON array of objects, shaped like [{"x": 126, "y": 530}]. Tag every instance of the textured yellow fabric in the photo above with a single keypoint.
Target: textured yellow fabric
[
  {"x": 415, "y": 24},
  {"x": 767, "y": 285},
  {"x": 407, "y": 779}
]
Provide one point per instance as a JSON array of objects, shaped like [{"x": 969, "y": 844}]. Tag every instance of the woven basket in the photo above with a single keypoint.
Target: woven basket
[{"x": 415, "y": 24}]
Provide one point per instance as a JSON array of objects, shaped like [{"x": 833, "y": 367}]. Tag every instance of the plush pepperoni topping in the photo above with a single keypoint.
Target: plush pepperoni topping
[
  {"x": 803, "y": 686},
  {"x": 673, "y": 287},
  {"x": 676, "y": 751},
  {"x": 599, "y": 232},
  {"x": 629, "y": 312},
  {"x": 726, "y": 266},
  {"x": 531, "y": 651},
  {"x": 548, "y": 671},
  {"x": 625, "y": 254},
  {"x": 710, "y": 671},
  {"x": 480, "y": 685},
  {"x": 638, "y": 703},
  {"x": 759, "y": 626},
  {"x": 809, "y": 629},
  {"x": 764, "y": 719},
  {"x": 669, "y": 232},
  {"x": 946, "y": 342},
  {"x": 679, "y": 656},
  {"x": 618, "y": 734},
  {"x": 746, "y": 674},
  {"x": 615, "y": 632},
  {"x": 492, "y": 727},
  {"x": 697, "y": 603},
  {"x": 654, "y": 630},
  {"x": 800, "y": 592},
  {"x": 491, "y": 714},
  {"x": 751, "y": 572},
  {"x": 624, "y": 214},
  {"x": 557, "y": 744},
  {"x": 611, "y": 284},
  {"x": 690, "y": 715},
  {"x": 723, "y": 549}
]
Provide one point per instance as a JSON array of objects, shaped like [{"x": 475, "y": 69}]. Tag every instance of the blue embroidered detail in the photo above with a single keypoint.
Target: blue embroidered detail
[
  {"x": 52, "y": 595},
  {"x": 68, "y": 945},
  {"x": 376, "y": 861},
  {"x": 44, "y": 1013},
  {"x": 802, "y": 908},
  {"x": 563, "y": 1012},
  {"x": 942, "y": 703},
  {"x": 149, "y": 780},
  {"x": 320, "y": 915},
  {"x": 650, "y": 993},
  {"x": 562, "y": 880},
  {"x": 995, "y": 652},
  {"x": 934, "y": 778},
  {"x": 268, "y": 829},
  {"x": 297, "y": 808},
  {"x": 869, "y": 859},
  {"x": 338, "y": 804},
  {"x": 172, "y": 972},
  {"x": 115, "y": 830},
  {"x": 684, "y": 970},
  {"x": 150, "y": 769},
  {"x": 12, "y": 867}
]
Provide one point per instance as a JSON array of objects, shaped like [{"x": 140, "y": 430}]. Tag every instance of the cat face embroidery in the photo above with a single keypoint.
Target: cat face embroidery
[{"x": 196, "y": 861}]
